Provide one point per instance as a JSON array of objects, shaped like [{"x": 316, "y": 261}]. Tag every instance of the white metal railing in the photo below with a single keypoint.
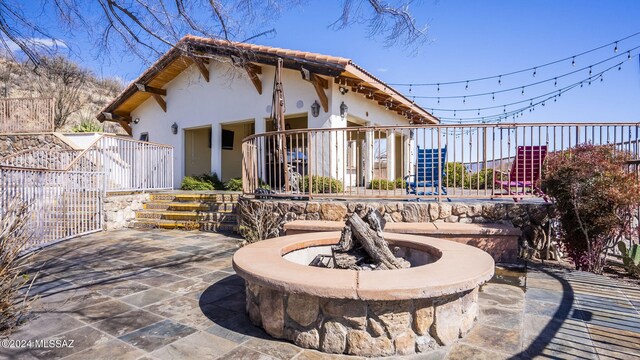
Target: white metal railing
[
  {"x": 65, "y": 192},
  {"x": 63, "y": 204},
  {"x": 132, "y": 165},
  {"x": 26, "y": 115}
]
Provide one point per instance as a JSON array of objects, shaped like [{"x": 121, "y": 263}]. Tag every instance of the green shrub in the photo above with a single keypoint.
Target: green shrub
[
  {"x": 203, "y": 182},
  {"x": 383, "y": 184},
  {"x": 630, "y": 258},
  {"x": 595, "y": 201},
  {"x": 481, "y": 179},
  {"x": 321, "y": 184},
  {"x": 454, "y": 175},
  {"x": 234, "y": 184},
  {"x": 195, "y": 183},
  {"x": 86, "y": 126},
  {"x": 213, "y": 179}
]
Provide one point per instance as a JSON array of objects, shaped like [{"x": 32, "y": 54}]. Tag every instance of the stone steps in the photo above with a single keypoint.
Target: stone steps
[{"x": 205, "y": 211}]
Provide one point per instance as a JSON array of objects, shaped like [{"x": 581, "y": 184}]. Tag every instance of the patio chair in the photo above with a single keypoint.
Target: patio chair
[
  {"x": 426, "y": 173},
  {"x": 525, "y": 172}
]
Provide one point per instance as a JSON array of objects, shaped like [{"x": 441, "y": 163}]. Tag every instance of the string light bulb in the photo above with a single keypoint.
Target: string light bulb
[
  {"x": 573, "y": 61},
  {"x": 500, "y": 80},
  {"x": 555, "y": 82},
  {"x": 535, "y": 71},
  {"x": 466, "y": 87},
  {"x": 523, "y": 90},
  {"x": 628, "y": 55},
  {"x": 590, "y": 71},
  {"x": 615, "y": 49}
]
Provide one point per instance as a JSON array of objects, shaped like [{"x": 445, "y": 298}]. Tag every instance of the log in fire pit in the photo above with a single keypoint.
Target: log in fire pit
[{"x": 318, "y": 290}]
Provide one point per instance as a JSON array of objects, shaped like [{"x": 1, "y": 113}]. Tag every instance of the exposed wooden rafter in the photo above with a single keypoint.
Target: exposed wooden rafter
[
  {"x": 253, "y": 71},
  {"x": 151, "y": 89},
  {"x": 320, "y": 84},
  {"x": 156, "y": 93},
  {"x": 115, "y": 117},
  {"x": 202, "y": 68},
  {"x": 125, "y": 125}
]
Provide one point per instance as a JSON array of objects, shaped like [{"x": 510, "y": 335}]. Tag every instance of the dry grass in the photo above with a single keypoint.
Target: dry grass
[{"x": 13, "y": 237}]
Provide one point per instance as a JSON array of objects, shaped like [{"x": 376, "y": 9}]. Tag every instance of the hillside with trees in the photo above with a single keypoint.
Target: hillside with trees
[{"x": 78, "y": 93}]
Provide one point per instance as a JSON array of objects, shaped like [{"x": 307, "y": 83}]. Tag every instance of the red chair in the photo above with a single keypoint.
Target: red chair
[{"x": 525, "y": 172}]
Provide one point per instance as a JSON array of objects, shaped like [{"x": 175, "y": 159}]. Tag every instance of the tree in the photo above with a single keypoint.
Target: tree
[
  {"x": 596, "y": 201},
  {"x": 63, "y": 81},
  {"x": 148, "y": 27}
]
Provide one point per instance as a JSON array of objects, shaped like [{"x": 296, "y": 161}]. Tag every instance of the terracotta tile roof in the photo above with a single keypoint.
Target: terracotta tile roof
[
  {"x": 332, "y": 66},
  {"x": 271, "y": 50}
]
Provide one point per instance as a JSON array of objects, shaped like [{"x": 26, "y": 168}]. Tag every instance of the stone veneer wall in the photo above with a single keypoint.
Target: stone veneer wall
[
  {"x": 363, "y": 328},
  {"x": 120, "y": 210},
  {"x": 496, "y": 212},
  {"x": 13, "y": 143}
]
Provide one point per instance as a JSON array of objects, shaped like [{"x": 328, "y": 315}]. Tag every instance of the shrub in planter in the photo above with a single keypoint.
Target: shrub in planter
[
  {"x": 234, "y": 184},
  {"x": 382, "y": 184},
  {"x": 400, "y": 183},
  {"x": 321, "y": 184},
  {"x": 595, "y": 201},
  {"x": 195, "y": 183},
  {"x": 483, "y": 179},
  {"x": 454, "y": 175}
]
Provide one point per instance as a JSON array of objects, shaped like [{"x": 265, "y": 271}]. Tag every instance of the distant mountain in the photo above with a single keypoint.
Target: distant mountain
[{"x": 79, "y": 93}]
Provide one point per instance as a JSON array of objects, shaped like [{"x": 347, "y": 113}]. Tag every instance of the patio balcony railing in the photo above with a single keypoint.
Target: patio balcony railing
[{"x": 418, "y": 161}]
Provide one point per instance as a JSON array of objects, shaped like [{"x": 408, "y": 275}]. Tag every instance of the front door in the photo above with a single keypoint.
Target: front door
[{"x": 197, "y": 151}]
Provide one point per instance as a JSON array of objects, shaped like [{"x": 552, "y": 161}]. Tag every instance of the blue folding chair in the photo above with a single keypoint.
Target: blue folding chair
[{"x": 426, "y": 174}]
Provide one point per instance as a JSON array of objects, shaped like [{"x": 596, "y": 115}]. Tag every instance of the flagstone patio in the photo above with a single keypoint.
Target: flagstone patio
[{"x": 172, "y": 294}]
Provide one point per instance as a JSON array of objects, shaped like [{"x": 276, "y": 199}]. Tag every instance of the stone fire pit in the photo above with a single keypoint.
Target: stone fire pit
[{"x": 366, "y": 313}]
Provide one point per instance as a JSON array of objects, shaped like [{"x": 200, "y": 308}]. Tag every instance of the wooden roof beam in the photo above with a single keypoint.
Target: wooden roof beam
[
  {"x": 202, "y": 68},
  {"x": 253, "y": 71},
  {"x": 115, "y": 117},
  {"x": 125, "y": 125},
  {"x": 151, "y": 89},
  {"x": 156, "y": 93},
  {"x": 319, "y": 84}
]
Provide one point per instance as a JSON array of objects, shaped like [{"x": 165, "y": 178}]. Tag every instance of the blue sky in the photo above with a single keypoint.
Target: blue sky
[{"x": 468, "y": 39}]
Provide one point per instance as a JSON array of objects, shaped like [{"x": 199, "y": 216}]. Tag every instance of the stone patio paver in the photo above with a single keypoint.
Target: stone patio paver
[{"x": 161, "y": 294}]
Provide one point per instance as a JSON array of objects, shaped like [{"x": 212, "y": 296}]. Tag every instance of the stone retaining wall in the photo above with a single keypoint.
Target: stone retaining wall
[
  {"x": 363, "y": 328},
  {"x": 531, "y": 218},
  {"x": 13, "y": 143},
  {"x": 120, "y": 210}
]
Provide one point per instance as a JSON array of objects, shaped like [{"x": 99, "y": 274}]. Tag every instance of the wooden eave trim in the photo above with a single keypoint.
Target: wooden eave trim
[
  {"x": 253, "y": 71},
  {"x": 398, "y": 97}
]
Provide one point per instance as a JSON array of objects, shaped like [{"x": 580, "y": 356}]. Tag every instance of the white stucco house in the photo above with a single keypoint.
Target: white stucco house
[{"x": 204, "y": 106}]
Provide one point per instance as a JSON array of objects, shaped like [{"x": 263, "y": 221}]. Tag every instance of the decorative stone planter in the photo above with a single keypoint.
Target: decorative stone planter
[{"x": 364, "y": 313}]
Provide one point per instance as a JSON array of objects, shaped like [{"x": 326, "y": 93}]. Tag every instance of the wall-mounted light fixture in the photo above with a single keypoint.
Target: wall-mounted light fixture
[
  {"x": 343, "y": 109},
  {"x": 343, "y": 90},
  {"x": 315, "y": 109},
  {"x": 136, "y": 120},
  {"x": 174, "y": 128}
]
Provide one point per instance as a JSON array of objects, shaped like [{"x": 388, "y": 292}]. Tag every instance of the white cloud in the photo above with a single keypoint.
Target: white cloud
[
  {"x": 382, "y": 69},
  {"x": 41, "y": 42}
]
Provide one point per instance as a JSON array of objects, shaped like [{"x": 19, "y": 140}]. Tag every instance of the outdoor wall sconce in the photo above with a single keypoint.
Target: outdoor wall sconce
[
  {"x": 315, "y": 109},
  {"x": 174, "y": 128},
  {"x": 136, "y": 120},
  {"x": 343, "y": 90},
  {"x": 343, "y": 109}
]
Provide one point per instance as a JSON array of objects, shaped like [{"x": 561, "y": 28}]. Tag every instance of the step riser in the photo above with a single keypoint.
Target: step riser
[
  {"x": 218, "y": 217},
  {"x": 226, "y": 207},
  {"x": 180, "y": 225},
  {"x": 204, "y": 198}
]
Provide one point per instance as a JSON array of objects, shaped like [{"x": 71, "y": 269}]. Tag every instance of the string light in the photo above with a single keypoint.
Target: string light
[
  {"x": 535, "y": 71},
  {"x": 573, "y": 58},
  {"x": 615, "y": 49},
  {"x": 555, "y": 82},
  {"x": 467, "y": 86}
]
